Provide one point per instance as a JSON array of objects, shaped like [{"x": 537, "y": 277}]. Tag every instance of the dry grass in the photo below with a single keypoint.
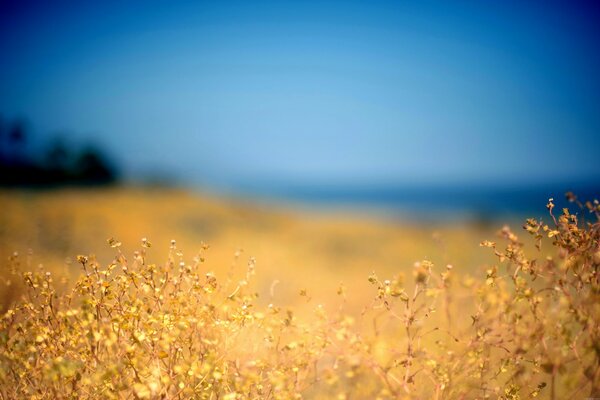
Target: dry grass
[{"x": 300, "y": 313}]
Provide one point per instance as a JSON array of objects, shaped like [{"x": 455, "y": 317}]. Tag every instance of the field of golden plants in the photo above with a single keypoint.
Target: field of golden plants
[{"x": 162, "y": 294}]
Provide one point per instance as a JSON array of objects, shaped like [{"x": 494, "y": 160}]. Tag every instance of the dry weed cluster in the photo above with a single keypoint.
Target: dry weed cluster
[{"x": 527, "y": 327}]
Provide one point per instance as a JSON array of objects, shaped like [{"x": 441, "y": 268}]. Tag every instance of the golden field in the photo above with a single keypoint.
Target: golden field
[
  {"x": 301, "y": 249},
  {"x": 256, "y": 301}
]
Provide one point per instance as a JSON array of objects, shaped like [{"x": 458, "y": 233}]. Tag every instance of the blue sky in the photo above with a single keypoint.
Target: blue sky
[{"x": 314, "y": 92}]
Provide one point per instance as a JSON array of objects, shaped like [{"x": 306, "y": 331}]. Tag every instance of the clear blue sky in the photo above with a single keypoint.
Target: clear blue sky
[{"x": 227, "y": 91}]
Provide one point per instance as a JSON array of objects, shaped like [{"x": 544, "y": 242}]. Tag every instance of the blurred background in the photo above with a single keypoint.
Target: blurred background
[
  {"x": 481, "y": 104},
  {"x": 193, "y": 119}
]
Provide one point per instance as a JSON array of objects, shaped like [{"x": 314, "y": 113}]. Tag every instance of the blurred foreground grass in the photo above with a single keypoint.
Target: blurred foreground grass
[{"x": 255, "y": 302}]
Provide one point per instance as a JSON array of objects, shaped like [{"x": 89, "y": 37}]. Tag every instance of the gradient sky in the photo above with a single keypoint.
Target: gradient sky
[{"x": 227, "y": 92}]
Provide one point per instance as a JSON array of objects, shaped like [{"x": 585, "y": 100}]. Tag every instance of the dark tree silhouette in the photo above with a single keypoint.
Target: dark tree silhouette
[
  {"x": 59, "y": 165},
  {"x": 92, "y": 168},
  {"x": 57, "y": 156}
]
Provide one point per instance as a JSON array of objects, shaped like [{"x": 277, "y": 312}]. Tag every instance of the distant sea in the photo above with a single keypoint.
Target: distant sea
[{"x": 420, "y": 202}]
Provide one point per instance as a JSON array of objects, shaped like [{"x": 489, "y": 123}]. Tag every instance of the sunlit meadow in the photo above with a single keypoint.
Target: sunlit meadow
[
  {"x": 263, "y": 199},
  {"x": 256, "y": 303}
]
